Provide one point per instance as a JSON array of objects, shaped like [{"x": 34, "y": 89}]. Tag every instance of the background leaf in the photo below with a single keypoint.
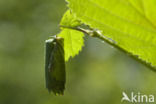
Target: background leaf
[{"x": 123, "y": 22}]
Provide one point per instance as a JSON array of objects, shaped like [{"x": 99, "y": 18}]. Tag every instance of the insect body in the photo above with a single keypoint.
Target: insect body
[{"x": 55, "y": 65}]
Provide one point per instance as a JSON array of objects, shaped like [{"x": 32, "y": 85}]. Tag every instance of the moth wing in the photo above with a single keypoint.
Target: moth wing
[{"x": 55, "y": 72}]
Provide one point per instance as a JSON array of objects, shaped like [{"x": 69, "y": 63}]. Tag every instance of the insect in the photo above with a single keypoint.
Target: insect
[{"x": 55, "y": 65}]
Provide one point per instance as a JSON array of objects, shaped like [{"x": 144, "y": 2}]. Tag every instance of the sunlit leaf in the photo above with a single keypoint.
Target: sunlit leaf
[
  {"x": 73, "y": 42},
  {"x": 130, "y": 24}
]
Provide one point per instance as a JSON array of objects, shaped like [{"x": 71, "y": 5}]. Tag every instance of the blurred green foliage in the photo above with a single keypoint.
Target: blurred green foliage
[{"x": 97, "y": 76}]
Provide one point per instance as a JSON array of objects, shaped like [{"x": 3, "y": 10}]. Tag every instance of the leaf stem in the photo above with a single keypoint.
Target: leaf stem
[{"x": 97, "y": 34}]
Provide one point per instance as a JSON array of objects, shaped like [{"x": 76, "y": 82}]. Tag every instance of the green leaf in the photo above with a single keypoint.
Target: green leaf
[
  {"x": 73, "y": 42},
  {"x": 149, "y": 8},
  {"x": 70, "y": 20},
  {"x": 130, "y": 24},
  {"x": 138, "y": 4}
]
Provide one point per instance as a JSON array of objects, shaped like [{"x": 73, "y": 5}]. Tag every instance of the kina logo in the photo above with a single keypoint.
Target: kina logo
[{"x": 137, "y": 98}]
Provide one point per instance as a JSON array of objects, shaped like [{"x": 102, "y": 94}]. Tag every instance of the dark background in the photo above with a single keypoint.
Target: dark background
[{"x": 98, "y": 75}]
